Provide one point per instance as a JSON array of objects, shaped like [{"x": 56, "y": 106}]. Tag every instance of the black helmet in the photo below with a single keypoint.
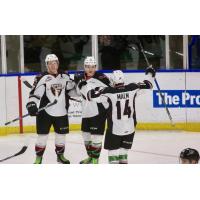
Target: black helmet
[{"x": 190, "y": 154}]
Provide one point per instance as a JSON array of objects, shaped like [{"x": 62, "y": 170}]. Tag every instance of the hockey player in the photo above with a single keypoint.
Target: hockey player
[
  {"x": 189, "y": 156},
  {"x": 121, "y": 120},
  {"x": 93, "y": 114},
  {"x": 47, "y": 87}
]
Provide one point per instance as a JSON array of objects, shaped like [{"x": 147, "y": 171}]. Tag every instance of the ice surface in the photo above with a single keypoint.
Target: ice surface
[{"x": 149, "y": 147}]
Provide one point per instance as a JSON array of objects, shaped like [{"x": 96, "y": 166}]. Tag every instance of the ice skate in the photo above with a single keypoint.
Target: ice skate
[
  {"x": 38, "y": 160},
  {"x": 95, "y": 161},
  {"x": 62, "y": 160},
  {"x": 86, "y": 161}
]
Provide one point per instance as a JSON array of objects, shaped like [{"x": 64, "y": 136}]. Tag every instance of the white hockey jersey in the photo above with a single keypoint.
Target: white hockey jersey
[
  {"x": 47, "y": 88},
  {"x": 92, "y": 108},
  {"x": 121, "y": 117}
]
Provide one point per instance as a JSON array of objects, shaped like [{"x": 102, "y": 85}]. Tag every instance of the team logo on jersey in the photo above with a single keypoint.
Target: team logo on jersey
[{"x": 56, "y": 89}]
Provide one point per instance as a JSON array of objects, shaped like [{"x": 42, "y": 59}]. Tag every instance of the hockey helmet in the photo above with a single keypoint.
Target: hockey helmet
[
  {"x": 117, "y": 77},
  {"x": 51, "y": 57},
  {"x": 90, "y": 60},
  {"x": 190, "y": 154}
]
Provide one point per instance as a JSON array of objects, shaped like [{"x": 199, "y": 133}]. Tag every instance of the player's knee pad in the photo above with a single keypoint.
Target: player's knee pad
[
  {"x": 42, "y": 140},
  {"x": 86, "y": 136},
  {"x": 60, "y": 139},
  {"x": 97, "y": 139},
  {"x": 113, "y": 156}
]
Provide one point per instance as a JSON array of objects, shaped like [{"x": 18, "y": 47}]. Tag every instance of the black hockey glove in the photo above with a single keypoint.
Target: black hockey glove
[
  {"x": 151, "y": 70},
  {"x": 77, "y": 77},
  {"x": 94, "y": 93},
  {"x": 32, "y": 108},
  {"x": 82, "y": 83}
]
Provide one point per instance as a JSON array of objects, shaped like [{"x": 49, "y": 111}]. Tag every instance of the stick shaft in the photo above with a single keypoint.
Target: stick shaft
[
  {"x": 158, "y": 87},
  {"x": 26, "y": 115}
]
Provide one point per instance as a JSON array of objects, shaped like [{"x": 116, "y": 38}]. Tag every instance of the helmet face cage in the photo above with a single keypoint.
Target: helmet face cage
[
  {"x": 90, "y": 61},
  {"x": 117, "y": 77},
  {"x": 51, "y": 57},
  {"x": 190, "y": 154}
]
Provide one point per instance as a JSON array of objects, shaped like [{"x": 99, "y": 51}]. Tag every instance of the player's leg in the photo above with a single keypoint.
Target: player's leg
[
  {"x": 43, "y": 124},
  {"x": 112, "y": 144},
  {"x": 96, "y": 146},
  {"x": 61, "y": 127},
  {"x": 40, "y": 147},
  {"x": 87, "y": 139},
  {"x": 126, "y": 144},
  {"x": 97, "y": 128},
  {"x": 113, "y": 156},
  {"x": 123, "y": 156}
]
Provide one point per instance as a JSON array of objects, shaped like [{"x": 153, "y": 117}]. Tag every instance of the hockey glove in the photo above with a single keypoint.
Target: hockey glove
[
  {"x": 151, "y": 70},
  {"x": 94, "y": 93},
  {"x": 32, "y": 108},
  {"x": 77, "y": 77},
  {"x": 82, "y": 83}
]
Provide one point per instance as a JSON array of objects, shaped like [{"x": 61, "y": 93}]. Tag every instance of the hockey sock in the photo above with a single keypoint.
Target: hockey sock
[
  {"x": 95, "y": 150},
  {"x": 39, "y": 150},
  {"x": 96, "y": 146},
  {"x": 113, "y": 156},
  {"x": 123, "y": 156},
  {"x": 60, "y": 148},
  {"x": 41, "y": 144},
  {"x": 87, "y": 142},
  {"x": 60, "y": 143}
]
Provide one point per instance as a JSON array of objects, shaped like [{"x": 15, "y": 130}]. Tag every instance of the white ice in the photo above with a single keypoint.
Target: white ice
[{"x": 149, "y": 147}]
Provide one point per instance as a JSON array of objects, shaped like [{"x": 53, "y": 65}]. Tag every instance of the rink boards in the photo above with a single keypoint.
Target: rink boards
[{"x": 181, "y": 91}]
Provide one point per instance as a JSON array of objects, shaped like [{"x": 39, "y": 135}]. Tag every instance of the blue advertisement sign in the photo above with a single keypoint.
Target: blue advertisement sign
[{"x": 177, "y": 98}]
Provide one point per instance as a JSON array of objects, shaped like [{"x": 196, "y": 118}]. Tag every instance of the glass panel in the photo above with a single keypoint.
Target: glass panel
[
  {"x": 194, "y": 51},
  {"x": 70, "y": 49},
  {"x": 0, "y": 57},
  {"x": 13, "y": 53},
  {"x": 176, "y": 51},
  {"x": 124, "y": 52}
]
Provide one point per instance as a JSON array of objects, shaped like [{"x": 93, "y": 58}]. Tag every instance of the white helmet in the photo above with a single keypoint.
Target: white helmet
[
  {"x": 90, "y": 60},
  {"x": 51, "y": 57},
  {"x": 117, "y": 77}
]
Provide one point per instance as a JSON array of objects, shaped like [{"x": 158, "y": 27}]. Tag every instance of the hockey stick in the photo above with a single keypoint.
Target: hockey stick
[
  {"x": 23, "y": 149},
  {"x": 26, "y": 115},
  {"x": 30, "y": 86},
  {"x": 158, "y": 87}
]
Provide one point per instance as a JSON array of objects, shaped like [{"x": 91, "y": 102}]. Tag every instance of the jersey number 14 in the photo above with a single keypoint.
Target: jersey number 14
[{"x": 127, "y": 109}]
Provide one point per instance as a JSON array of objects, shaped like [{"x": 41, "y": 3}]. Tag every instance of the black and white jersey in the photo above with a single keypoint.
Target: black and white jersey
[
  {"x": 121, "y": 119},
  {"x": 91, "y": 108},
  {"x": 47, "y": 88}
]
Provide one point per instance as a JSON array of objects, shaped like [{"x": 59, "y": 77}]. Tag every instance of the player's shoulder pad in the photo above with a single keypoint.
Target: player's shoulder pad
[
  {"x": 38, "y": 78},
  {"x": 102, "y": 77}
]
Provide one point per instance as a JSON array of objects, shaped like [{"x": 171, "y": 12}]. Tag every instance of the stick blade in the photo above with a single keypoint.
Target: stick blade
[{"x": 23, "y": 149}]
